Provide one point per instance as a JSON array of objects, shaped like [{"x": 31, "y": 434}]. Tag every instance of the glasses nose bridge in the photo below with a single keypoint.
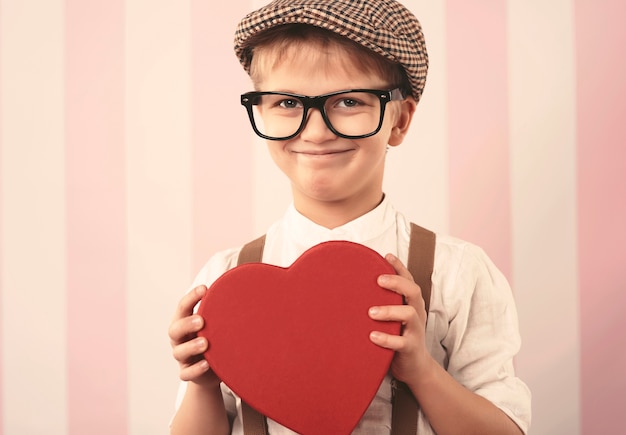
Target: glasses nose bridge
[{"x": 319, "y": 103}]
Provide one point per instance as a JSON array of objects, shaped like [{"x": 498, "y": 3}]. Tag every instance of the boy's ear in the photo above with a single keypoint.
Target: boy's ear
[{"x": 403, "y": 121}]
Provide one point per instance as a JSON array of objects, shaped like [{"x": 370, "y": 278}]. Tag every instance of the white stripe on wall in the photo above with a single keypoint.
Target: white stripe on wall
[
  {"x": 33, "y": 223},
  {"x": 416, "y": 176},
  {"x": 222, "y": 163},
  {"x": 159, "y": 192},
  {"x": 543, "y": 155}
]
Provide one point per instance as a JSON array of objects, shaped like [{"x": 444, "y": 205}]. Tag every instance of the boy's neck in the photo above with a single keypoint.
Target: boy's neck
[{"x": 333, "y": 214}]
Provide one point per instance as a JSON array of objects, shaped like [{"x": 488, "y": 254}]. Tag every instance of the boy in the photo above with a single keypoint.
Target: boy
[{"x": 365, "y": 62}]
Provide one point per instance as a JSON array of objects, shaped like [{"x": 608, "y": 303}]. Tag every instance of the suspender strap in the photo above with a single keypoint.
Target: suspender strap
[
  {"x": 254, "y": 423},
  {"x": 252, "y": 252},
  {"x": 420, "y": 263},
  {"x": 422, "y": 260},
  {"x": 405, "y": 407}
]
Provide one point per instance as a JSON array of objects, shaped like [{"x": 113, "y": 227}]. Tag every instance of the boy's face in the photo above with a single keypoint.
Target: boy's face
[{"x": 325, "y": 169}]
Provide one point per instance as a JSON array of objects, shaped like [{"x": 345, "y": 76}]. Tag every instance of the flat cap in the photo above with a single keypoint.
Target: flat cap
[{"x": 385, "y": 27}]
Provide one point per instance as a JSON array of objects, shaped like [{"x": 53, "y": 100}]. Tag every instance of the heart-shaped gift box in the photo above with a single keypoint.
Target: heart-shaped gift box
[{"x": 294, "y": 342}]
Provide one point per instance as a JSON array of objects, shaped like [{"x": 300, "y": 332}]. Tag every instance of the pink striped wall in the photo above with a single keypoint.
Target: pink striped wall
[
  {"x": 125, "y": 160},
  {"x": 96, "y": 217},
  {"x": 601, "y": 103},
  {"x": 219, "y": 143},
  {"x": 478, "y": 125},
  {"x": 542, "y": 140}
]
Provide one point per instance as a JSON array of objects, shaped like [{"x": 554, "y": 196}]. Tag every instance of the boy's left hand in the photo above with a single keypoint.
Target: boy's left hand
[{"x": 411, "y": 353}]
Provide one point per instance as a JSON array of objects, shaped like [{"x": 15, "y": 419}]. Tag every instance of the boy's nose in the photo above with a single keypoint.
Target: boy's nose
[{"x": 315, "y": 129}]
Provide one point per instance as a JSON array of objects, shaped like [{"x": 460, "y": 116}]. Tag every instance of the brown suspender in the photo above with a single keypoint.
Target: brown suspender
[
  {"x": 420, "y": 263},
  {"x": 405, "y": 407},
  {"x": 253, "y": 422}
]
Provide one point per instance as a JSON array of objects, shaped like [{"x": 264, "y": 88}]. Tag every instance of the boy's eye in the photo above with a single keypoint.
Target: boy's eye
[
  {"x": 290, "y": 104},
  {"x": 354, "y": 100},
  {"x": 347, "y": 102}
]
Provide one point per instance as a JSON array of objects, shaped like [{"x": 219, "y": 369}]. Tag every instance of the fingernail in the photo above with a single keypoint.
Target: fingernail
[
  {"x": 196, "y": 321},
  {"x": 374, "y": 311},
  {"x": 382, "y": 280},
  {"x": 200, "y": 343}
]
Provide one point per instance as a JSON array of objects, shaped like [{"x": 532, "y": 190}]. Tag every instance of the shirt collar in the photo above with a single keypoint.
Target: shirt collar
[{"x": 360, "y": 230}]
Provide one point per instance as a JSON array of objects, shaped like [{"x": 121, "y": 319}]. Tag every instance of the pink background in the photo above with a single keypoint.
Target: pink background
[{"x": 126, "y": 160}]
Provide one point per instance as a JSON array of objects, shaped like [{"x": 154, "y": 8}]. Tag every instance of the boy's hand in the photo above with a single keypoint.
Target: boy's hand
[
  {"x": 187, "y": 347},
  {"x": 411, "y": 353}
]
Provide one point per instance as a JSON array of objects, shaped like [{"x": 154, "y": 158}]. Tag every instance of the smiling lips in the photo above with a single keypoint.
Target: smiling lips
[{"x": 322, "y": 153}]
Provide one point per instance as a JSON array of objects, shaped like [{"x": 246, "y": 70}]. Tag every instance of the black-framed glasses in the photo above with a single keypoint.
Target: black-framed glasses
[{"x": 351, "y": 114}]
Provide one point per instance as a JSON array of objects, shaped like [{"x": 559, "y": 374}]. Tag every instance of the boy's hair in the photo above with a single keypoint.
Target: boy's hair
[
  {"x": 280, "y": 41},
  {"x": 383, "y": 27}
]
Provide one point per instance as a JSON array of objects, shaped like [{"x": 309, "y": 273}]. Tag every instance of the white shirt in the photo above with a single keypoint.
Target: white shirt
[{"x": 472, "y": 329}]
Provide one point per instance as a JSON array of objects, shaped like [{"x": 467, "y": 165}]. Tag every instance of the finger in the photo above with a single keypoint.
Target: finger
[
  {"x": 388, "y": 341},
  {"x": 393, "y": 313},
  {"x": 184, "y": 329},
  {"x": 189, "y": 351},
  {"x": 402, "y": 285},
  {"x": 189, "y": 301},
  {"x": 194, "y": 371},
  {"x": 398, "y": 266}
]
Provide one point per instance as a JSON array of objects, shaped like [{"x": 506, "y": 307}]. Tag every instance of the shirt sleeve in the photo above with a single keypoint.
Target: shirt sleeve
[{"x": 477, "y": 328}]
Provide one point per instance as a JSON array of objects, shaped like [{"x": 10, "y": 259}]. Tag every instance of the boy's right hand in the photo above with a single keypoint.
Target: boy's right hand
[{"x": 187, "y": 347}]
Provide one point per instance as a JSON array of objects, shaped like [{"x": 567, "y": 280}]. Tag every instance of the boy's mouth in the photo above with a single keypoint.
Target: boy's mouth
[{"x": 322, "y": 153}]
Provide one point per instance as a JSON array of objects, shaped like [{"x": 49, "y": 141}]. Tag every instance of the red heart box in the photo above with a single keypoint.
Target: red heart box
[{"x": 294, "y": 342}]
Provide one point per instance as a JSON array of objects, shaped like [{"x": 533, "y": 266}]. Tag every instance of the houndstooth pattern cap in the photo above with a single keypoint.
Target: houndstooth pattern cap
[{"x": 385, "y": 27}]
